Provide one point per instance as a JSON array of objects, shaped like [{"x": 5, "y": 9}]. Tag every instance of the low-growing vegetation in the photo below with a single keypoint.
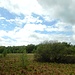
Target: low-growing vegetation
[
  {"x": 11, "y": 65},
  {"x": 47, "y": 58},
  {"x": 24, "y": 60}
]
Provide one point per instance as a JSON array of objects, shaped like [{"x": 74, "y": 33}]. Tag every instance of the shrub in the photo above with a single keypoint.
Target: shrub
[
  {"x": 50, "y": 52},
  {"x": 4, "y": 53},
  {"x": 42, "y": 53},
  {"x": 24, "y": 60},
  {"x": 67, "y": 59}
]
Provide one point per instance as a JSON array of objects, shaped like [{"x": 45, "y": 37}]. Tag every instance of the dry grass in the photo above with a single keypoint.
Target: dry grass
[{"x": 10, "y": 65}]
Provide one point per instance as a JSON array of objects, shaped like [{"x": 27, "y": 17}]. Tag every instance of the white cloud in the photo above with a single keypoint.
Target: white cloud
[
  {"x": 32, "y": 19},
  {"x": 1, "y": 39},
  {"x": 60, "y": 26},
  {"x": 73, "y": 28},
  {"x": 27, "y": 20},
  {"x": 21, "y": 36},
  {"x": 47, "y": 18},
  {"x": 34, "y": 27},
  {"x": 2, "y": 33},
  {"x": 2, "y": 18},
  {"x": 21, "y": 6},
  {"x": 26, "y": 35},
  {"x": 26, "y": 31},
  {"x": 63, "y": 10}
]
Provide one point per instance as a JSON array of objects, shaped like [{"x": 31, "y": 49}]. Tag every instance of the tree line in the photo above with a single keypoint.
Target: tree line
[
  {"x": 18, "y": 49},
  {"x": 45, "y": 52},
  {"x": 31, "y": 48}
]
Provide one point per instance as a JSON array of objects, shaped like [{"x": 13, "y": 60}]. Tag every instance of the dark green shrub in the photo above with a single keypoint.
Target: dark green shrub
[
  {"x": 42, "y": 53},
  {"x": 66, "y": 59},
  {"x": 30, "y": 48},
  {"x": 50, "y": 52}
]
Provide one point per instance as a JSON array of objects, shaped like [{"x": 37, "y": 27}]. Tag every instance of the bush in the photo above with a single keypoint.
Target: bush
[
  {"x": 67, "y": 59},
  {"x": 50, "y": 52},
  {"x": 42, "y": 53},
  {"x": 4, "y": 53},
  {"x": 24, "y": 60}
]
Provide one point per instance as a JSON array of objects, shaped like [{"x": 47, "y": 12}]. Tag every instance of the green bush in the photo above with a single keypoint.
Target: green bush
[
  {"x": 4, "y": 53},
  {"x": 24, "y": 60},
  {"x": 51, "y": 52},
  {"x": 67, "y": 59},
  {"x": 42, "y": 53}
]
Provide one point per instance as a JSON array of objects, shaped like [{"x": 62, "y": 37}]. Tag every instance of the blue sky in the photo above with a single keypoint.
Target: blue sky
[{"x": 32, "y": 22}]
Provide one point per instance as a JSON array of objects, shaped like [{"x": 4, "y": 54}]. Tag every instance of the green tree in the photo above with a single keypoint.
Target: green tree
[
  {"x": 2, "y": 48},
  {"x": 30, "y": 48},
  {"x": 50, "y": 52}
]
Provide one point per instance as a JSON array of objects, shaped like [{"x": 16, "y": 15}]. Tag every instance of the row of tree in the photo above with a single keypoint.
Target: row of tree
[
  {"x": 46, "y": 51},
  {"x": 32, "y": 48},
  {"x": 18, "y": 49}
]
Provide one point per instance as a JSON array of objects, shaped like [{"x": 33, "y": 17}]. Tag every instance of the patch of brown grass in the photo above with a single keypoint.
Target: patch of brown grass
[{"x": 10, "y": 65}]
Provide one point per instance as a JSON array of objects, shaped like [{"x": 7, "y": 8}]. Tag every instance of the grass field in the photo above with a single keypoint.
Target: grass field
[{"x": 11, "y": 65}]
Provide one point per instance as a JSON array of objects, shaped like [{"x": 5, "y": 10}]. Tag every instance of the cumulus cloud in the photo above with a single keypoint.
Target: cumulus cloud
[
  {"x": 2, "y": 18},
  {"x": 35, "y": 26},
  {"x": 2, "y": 33},
  {"x": 63, "y": 10},
  {"x": 22, "y": 36},
  {"x": 21, "y": 6},
  {"x": 29, "y": 35},
  {"x": 28, "y": 19}
]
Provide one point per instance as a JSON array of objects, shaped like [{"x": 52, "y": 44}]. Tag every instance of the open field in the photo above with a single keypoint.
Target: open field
[{"x": 11, "y": 65}]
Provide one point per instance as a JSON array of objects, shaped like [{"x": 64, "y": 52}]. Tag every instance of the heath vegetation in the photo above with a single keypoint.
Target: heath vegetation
[{"x": 47, "y": 58}]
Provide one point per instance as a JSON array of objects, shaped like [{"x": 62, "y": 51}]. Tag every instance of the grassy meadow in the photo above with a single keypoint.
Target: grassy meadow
[{"x": 11, "y": 65}]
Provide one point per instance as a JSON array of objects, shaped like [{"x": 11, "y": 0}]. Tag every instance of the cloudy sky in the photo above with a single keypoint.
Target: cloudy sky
[{"x": 24, "y": 22}]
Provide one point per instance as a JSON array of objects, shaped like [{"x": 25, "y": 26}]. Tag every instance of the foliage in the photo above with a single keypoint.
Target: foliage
[
  {"x": 46, "y": 51},
  {"x": 42, "y": 53},
  {"x": 67, "y": 59},
  {"x": 24, "y": 60},
  {"x": 18, "y": 49},
  {"x": 53, "y": 52},
  {"x": 2, "y": 48},
  {"x": 4, "y": 53},
  {"x": 30, "y": 48}
]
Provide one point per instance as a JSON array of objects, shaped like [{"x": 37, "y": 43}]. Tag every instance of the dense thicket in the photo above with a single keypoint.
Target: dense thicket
[{"x": 55, "y": 52}]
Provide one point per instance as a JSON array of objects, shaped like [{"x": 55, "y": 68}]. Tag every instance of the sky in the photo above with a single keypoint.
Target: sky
[{"x": 24, "y": 22}]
